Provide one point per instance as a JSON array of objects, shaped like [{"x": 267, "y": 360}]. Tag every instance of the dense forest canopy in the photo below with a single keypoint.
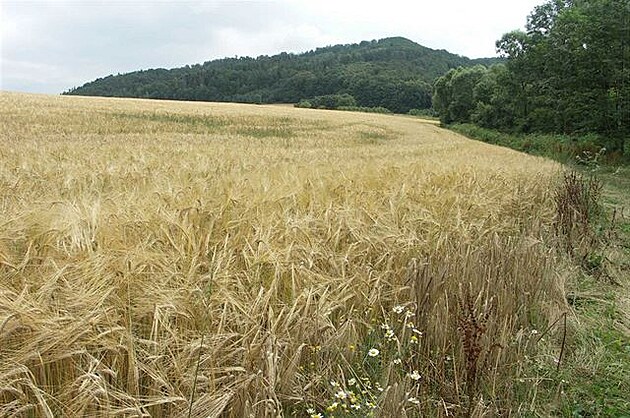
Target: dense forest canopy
[
  {"x": 567, "y": 73},
  {"x": 393, "y": 73}
]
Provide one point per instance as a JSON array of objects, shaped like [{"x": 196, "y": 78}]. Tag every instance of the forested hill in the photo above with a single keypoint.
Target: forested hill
[{"x": 394, "y": 73}]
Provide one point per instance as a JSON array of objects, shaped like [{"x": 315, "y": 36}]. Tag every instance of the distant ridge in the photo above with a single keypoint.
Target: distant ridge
[{"x": 394, "y": 73}]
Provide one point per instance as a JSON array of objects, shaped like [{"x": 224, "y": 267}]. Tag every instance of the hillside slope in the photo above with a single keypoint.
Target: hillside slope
[{"x": 395, "y": 73}]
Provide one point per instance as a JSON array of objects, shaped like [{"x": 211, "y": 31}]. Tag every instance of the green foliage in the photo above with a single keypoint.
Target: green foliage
[
  {"x": 333, "y": 101},
  {"x": 568, "y": 74},
  {"x": 584, "y": 149},
  {"x": 453, "y": 95},
  {"x": 392, "y": 73},
  {"x": 305, "y": 104},
  {"x": 339, "y": 102},
  {"x": 425, "y": 113},
  {"x": 593, "y": 378},
  {"x": 378, "y": 109}
]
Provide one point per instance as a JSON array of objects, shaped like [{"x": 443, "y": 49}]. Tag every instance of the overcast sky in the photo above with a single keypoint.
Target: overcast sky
[{"x": 49, "y": 46}]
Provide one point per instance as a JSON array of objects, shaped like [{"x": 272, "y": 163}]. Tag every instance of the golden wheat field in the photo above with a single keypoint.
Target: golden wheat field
[{"x": 174, "y": 259}]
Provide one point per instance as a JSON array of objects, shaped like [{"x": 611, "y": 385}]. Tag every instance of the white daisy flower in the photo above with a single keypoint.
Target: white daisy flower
[
  {"x": 341, "y": 395},
  {"x": 373, "y": 352},
  {"x": 415, "y": 375}
]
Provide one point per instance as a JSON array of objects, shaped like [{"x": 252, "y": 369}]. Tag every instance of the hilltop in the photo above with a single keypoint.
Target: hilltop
[{"x": 395, "y": 73}]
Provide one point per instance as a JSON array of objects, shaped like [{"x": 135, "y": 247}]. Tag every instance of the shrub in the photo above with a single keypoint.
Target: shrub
[
  {"x": 563, "y": 148},
  {"x": 578, "y": 213},
  {"x": 378, "y": 109},
  {"x": 332, "y": 101},
  {"x": 304, "y": 104},
  {"x": 427, "y": 113}
]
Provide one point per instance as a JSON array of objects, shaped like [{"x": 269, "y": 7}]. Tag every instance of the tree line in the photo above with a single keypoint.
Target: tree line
[
  {"x": 392, "y": 73},
  {"x": 567, "y": 73}
]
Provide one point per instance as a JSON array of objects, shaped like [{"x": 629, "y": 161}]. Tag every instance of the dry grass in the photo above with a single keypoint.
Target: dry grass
[{"x": 132, "y": 231}]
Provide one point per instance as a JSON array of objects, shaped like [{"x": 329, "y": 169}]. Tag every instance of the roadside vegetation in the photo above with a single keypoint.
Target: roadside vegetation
[
  {"x": 564, "y": 93},
  {"x": 593, "y": 377},
  {"x": 592, "y": 374},
  {"x": 589, "y": 151}
]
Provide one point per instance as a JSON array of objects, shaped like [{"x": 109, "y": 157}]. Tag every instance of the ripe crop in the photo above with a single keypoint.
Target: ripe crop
[{"x": 193, "y": 259}]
